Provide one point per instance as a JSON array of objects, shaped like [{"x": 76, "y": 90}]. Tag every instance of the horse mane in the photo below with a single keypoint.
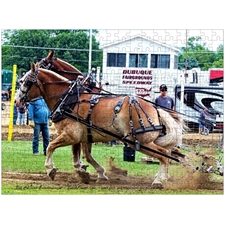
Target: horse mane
[
  {"x": 69, "y": 65},
  {"x": 51, "y": 73},
  {"x": 50, "y": 56}
]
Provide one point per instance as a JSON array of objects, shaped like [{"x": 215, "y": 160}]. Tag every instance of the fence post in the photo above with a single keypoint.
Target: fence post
[{"x": 12, "y": 103}]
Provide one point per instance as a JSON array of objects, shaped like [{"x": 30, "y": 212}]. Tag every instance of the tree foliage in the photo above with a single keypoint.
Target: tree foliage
[
  {"x": 197, "y": 55},
  {"x": 21, "y": 47}
]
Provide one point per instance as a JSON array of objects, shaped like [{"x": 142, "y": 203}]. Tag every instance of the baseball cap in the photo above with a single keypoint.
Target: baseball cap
[{"x": 163, "y": 87}]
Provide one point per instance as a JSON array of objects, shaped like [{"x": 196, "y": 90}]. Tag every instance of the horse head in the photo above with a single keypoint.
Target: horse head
[
  {"x": 59, "y": 66},
  {"x": 67, "y": 70},
  {"x": 41, "y": 82},
  {"x": 26, "y": 82}
]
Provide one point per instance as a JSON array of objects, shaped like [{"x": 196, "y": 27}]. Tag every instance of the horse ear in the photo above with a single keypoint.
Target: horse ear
[
  {"x": 33, "y": 67},
  {"x": 51, "y": 53},
  {"x": 37, "y": 65}
]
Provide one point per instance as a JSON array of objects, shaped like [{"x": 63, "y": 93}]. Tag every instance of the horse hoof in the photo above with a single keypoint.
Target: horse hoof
[
  {"x": 102, "y": 179},
  {"x": 53, "y": 173},
  {"x": 84, "y": 167},
  {"x": 157, "y": 186}
]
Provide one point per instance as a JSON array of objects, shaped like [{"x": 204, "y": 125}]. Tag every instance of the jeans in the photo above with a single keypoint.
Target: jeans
[
  {"x": 21, "y": 117},
  {"x": 200, "y": 124},
  {"x": 14, "y": 118},
  {"x": 44, "y": 129}
]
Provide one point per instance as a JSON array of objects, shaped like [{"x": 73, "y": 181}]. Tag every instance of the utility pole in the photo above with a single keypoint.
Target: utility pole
[
  {"x": 90, "y": 52},
  {"x": 184, "y": 78}
]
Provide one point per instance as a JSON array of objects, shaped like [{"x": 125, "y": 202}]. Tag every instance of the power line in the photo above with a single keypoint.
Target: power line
[
  {"x": 65, "y": 49},
  {"x": 95, "y": 50}
]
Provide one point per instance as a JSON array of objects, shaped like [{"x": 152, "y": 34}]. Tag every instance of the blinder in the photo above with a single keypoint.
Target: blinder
[
  {"x": 27, "y": 84},
  {"x": 46, "y": 65}
]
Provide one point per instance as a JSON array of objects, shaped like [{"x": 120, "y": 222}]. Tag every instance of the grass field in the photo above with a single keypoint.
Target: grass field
[{"x": 17, "y": 157}]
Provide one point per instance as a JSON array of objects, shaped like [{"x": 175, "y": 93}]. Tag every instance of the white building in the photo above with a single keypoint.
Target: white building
[{"x": 138, "y": 65}]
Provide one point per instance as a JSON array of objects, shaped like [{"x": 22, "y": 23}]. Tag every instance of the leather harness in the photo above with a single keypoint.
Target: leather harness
[{"x": 71, "y": 97}]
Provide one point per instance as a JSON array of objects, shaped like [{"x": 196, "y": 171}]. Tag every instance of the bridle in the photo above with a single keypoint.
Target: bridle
[
  {"x": 46, "y": 65},
  {"x": 30, "y": 79}
]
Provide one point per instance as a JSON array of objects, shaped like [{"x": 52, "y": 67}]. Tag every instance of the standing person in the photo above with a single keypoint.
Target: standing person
[
  {"x": 167, "y": 103},
  {"x": 163, "y": 99},
  {"x": 21, "y": 114},
  {"x": 39, "y": 120},
  {"x": 15, "y": 113},
  {"x": 201, "y": 119},
  {"x": 27, "y": 117}
]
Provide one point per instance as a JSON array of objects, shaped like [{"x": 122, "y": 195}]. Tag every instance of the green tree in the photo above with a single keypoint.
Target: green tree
[
  {"x": 21, "y": 47},
  {"x": 219, "y": 58},
  {"x": 198, "y": 55}
]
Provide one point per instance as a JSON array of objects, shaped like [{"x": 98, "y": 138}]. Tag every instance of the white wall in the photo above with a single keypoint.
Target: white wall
[{"x": 138, "y": 45}]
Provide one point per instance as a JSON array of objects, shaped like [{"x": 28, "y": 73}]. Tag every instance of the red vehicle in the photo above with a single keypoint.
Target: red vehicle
[{"x": 215, "y": 75}]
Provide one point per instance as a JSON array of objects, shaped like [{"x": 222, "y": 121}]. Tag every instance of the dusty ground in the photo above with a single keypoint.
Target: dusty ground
[{"x": 116, "y": 181}]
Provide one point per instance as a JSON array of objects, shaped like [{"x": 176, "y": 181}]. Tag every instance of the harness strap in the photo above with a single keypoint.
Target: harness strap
[
  {"x": 149, "y": 119},
  {"x": 147, "y": 129},
  {"x": 69, "y": 115},
  {"x": 117, "y": 109},
  {"x": 93, "y": 101},
  {"x": 135, "y": 102},
  {"x": 118, "y": 106},
  {"x": 137, "y": 143},
  {"x": 67, "y": 99}
]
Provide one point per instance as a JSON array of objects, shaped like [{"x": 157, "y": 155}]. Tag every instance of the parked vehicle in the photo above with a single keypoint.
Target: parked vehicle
[
  {"x": 3, "y": 106},
  {"x": 6, "y": 92},
  {"x": 196, "y": 98}
]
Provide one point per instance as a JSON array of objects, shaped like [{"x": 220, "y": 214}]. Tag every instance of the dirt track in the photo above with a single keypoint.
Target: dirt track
[
  {"x": 194, "y": 139},
  {"x": 116, "y": 181}
]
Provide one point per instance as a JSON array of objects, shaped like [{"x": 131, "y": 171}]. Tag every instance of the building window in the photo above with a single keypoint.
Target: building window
[
  {"x": 116, "y": 59},
  {"x": 175, "y": 62},
  {"x": 138, "y": 60},
  {"x": 160, "y": 61}
]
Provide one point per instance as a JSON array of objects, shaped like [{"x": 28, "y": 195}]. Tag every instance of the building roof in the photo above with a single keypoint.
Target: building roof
[{"x": 142, "y": 37}]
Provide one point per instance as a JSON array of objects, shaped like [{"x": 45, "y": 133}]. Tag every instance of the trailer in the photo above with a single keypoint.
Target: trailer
[{"x": 196, "y": 98}]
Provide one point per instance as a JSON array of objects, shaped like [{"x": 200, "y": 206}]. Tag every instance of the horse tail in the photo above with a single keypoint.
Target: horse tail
[
  {"x": 175, "y": 127},
  {"x": 180, "y": 121}
]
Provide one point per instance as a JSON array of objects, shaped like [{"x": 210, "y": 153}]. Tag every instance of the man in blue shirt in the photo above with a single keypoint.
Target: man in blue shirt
[
  {"x": 201, "y": 120},
  {"x": 39, "y": 114},
  {"x": 163, "y": 99}
]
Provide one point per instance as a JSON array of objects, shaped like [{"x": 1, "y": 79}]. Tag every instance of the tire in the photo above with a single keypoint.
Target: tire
[{"x": 3, "y": 106}]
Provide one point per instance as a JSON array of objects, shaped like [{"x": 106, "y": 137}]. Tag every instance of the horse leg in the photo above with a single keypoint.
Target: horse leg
[
  {"x": 77, "y": 163},
  {"x": 162, "y": 176},
  {"x": 86, "y": 148},
  {"x": 58, "y": 142}
]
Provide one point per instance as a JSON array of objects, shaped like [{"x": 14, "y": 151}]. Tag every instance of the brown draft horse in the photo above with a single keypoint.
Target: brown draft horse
[
  {"x": 135, "y": 121},
  {"x": 70, "y": 72}
]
